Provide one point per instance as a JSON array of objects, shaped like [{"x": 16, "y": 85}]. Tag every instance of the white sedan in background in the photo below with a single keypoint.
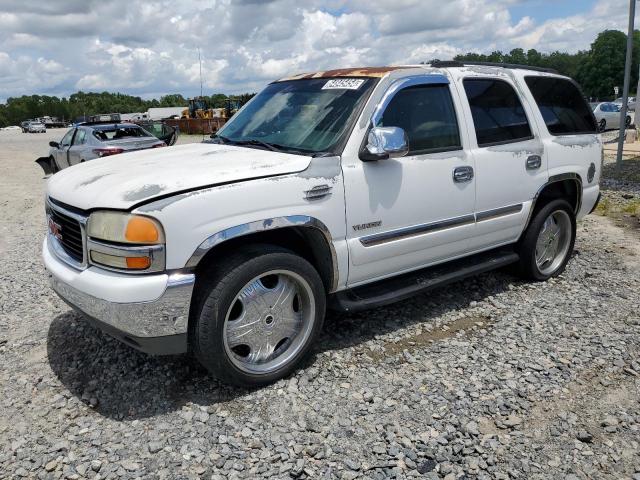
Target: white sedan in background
[{"x": 608, "y": 116}]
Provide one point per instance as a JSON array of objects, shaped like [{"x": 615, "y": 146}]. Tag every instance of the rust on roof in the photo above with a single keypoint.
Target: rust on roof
[{"x": 346, "y": 72}]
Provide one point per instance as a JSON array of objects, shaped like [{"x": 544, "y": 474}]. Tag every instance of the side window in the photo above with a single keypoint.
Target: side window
[
  {"x": 497, "y": 112},
  {"x": 79, "y": 138},
  {"x": 564, "y": 109},
  {"x": 66, "y": 140},
  {"x": 427, "y": 114}
]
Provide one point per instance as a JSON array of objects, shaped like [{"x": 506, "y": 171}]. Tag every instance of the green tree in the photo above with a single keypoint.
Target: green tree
[{"x": 603, "y": 67}]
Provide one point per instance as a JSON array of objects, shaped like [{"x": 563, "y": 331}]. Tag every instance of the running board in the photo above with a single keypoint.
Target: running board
[{"x": 398, "y": 288}]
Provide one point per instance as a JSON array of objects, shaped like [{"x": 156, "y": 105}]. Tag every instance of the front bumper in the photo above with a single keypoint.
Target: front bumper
[{"x": 147, "y": 312}]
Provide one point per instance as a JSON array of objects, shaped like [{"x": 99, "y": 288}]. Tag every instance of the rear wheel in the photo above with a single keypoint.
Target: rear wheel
[
  {"x": 260, "y": 312},
  {"x": 602, "y": 126},
  {"x": 547, "y": 243}
]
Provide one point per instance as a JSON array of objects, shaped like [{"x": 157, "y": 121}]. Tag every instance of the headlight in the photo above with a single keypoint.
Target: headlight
[
  {"x": 123, "y": 227},
  {"x": 123, "y": 241}
]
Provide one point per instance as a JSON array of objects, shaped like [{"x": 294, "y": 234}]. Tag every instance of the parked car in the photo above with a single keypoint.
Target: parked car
[
  {"x": 96, "y": 140},
  {"x": 36, "y": 127},
  {"x": 608, "y": 116},
  {"x": 351, "y": 188},
  {"x": 24, "y": 125},
  {"x": 160, "y": 130},
  {"x": 631, "y": 103}
]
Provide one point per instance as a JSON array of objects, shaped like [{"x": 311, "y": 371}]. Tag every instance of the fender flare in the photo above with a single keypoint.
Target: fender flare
[
  {"x": 263, "y": 226},
  {"x": 554, "y": 179}
]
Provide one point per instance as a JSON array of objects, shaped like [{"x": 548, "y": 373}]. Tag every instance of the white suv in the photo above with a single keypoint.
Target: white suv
[{"x": 350, "y": 188}]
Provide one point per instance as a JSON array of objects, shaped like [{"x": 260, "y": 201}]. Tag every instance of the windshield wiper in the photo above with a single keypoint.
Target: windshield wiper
[
  {"x": 270, "y": 146},
  {"x": 274, "y": 147}
]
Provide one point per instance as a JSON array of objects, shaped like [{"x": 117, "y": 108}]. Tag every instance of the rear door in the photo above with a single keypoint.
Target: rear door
[
  {"x": 509, "y": 156},
  {"x": 570, "y": 134}
]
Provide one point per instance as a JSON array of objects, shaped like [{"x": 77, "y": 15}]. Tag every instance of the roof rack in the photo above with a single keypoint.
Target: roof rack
[{"x": 464, "y": 63}]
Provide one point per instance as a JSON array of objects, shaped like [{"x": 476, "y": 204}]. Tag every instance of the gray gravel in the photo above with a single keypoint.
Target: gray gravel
[{"x": 490, "y": 378}]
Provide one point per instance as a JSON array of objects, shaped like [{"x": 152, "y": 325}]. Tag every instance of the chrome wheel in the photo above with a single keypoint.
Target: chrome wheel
[
  {"x": 553, "y": 242},
  {"x": 269, "y": 321}
]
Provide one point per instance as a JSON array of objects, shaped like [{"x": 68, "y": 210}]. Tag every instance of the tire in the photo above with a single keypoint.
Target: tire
[
  {"x": 541, "y": 256},
  {"x": 602, "y": 126},
  {"x": 249, "y": 285}
]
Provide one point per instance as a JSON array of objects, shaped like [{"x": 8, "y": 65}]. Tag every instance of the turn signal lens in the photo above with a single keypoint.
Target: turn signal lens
[
  {"x": 141, "y": 230},
  {"x": 138, "y": 263},
  {"x": 122, "y": 227}
]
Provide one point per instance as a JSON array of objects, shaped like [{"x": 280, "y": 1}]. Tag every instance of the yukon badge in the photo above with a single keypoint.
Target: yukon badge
[{"x": 365, "y": 226}]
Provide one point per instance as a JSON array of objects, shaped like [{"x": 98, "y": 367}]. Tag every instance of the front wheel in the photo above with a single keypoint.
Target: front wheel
[
  {"x": 260, "y": 311},
  {"x": 546, "y": 245}
]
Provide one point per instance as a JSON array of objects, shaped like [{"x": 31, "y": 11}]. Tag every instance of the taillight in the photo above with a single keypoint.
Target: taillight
[
  {"x": 158, "y": 145},
  {"x": 105, "y": 152}
]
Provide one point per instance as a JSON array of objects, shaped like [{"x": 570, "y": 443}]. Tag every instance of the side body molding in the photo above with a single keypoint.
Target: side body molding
[{"x": 262, "y": 226}]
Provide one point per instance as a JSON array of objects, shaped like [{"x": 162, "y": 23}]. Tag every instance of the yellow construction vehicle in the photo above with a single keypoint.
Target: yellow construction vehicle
[{"x": 198, "y": 108}]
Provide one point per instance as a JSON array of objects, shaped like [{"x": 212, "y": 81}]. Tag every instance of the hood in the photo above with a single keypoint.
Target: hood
[{"x": 122, "y": 181}]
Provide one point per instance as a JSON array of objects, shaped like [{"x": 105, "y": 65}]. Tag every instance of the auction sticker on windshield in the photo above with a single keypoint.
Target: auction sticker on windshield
[{"x": 343, "y": 83}]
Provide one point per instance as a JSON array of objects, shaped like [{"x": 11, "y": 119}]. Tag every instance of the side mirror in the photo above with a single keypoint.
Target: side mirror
[
  {"x": 384, "y": 143},
  {"x": 54, "y": 144}
]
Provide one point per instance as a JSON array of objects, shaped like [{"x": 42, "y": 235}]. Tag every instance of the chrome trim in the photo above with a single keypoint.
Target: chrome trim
[
  {"x": 425, "y": 79},
  {"x": 400, "y": 233},
  {"x": 463, "y": 174},
  {"x": 498, "y": 212},
  {"x": 156, "y": 252},
  {"x": 167, "y": 315},
  {"x": 263, "y": 226},
  {"x": 318, "y": 192},
  {"x": 534, "y": 162},
  {"x": 55, "y": 244}
]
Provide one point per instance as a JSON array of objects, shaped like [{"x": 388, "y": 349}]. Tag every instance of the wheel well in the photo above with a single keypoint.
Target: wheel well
[
  {"x": 308, "y": 242},
  {"x": 566, "y": 189}
]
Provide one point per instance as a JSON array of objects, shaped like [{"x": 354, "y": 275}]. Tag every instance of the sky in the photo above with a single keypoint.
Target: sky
[{"x": 150, "y": 47}]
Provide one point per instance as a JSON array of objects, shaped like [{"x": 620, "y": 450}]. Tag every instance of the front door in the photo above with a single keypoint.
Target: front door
[
  {"x": 61, "y": 152},
  {"x": 409, "y": 212},
  {"x": 510, "y": 160},
  {"x": 76, "y": 150}
]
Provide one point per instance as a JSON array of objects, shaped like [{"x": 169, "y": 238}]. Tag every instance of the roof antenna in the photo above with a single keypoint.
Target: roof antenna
[{"x": 200, "y": 62}]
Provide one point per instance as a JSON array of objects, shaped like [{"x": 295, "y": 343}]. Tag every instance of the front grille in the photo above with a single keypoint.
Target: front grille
[{"x": 69, "y": 234}]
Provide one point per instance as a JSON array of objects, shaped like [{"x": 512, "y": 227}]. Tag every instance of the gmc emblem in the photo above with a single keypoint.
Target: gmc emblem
[{"x": 55, "y": 229}]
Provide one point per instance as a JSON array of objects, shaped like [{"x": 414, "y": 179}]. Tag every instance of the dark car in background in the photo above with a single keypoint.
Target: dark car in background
[{"x": 96, "y": 140}]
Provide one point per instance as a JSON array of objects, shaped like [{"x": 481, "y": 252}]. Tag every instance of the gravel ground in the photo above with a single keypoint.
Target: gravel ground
[{"x": 491, "y": 378}]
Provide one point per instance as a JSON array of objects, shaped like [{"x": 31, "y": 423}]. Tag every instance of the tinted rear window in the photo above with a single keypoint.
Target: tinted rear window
[
  {"x": 117, "y": 133},
  {"x": 562, "y": 106},
  {"x": 497, "y": 112}
]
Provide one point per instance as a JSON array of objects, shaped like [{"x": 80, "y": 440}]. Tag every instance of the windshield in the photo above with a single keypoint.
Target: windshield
[{"x": 309, "y": 116}]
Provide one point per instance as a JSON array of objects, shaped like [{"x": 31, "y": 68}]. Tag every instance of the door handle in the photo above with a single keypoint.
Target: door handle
[
  {"x": 534, "y": 162},
  {"x": 462, "y": 174}
]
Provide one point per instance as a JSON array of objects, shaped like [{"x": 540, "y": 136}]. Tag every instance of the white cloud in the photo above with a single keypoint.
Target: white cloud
[{"x": 151, "y": 46}]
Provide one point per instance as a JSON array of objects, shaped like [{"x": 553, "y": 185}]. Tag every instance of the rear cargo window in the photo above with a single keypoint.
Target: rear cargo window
[
  {"x": 562, "y": 106},
  {"x": 497, "y": 112}
]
